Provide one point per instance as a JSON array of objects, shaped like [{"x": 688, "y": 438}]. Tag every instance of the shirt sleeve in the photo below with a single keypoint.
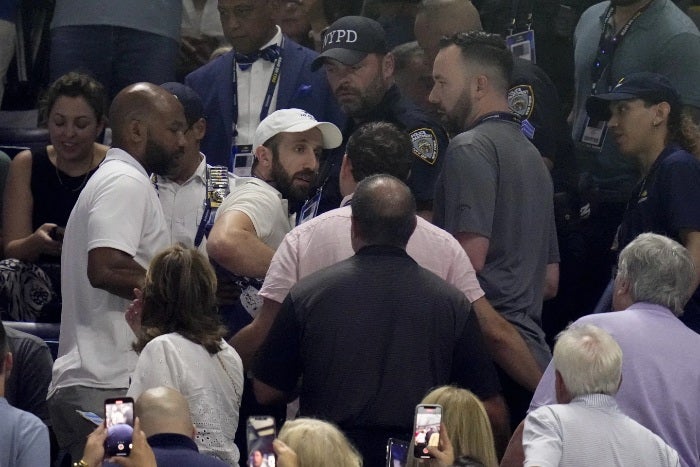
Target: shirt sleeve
[
  {"x": 544, "y": 394},
  {"x": 278, "y": 363},
  {"x": 679, "y": 183},
  {"x": 282, "y": 273},
  {"x": 33, "y": 378},
  {"x": 542, "y": 439},
  {"x": 116, "y": 215},
  {"x": 472, "y": 366},
  {"x": 470, "y": 193},
  {"x": 258, "y": 203}
]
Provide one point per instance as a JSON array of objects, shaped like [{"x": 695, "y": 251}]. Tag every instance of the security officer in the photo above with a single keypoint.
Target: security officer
[{"x": 360, "y": 72}]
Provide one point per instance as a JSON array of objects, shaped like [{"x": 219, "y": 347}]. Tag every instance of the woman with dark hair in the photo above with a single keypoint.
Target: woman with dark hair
[
  {"x": 41, "y": 189},
  {"x": 180, "y": 345},
  {"x": 645, "y": 119}
]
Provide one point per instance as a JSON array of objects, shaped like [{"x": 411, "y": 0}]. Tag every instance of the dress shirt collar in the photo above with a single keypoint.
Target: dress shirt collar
[{"x": 116, "y": 154}]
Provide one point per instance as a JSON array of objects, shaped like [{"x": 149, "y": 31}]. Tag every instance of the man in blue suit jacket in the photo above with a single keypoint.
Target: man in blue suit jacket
[{"x": 249, "y": 27}]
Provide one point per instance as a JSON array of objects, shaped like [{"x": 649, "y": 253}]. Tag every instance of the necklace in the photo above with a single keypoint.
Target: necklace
[{"x": 85, "y": 177}]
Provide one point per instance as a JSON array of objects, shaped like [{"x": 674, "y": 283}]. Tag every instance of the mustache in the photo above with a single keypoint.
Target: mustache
[{"x": 306, "y": 173}]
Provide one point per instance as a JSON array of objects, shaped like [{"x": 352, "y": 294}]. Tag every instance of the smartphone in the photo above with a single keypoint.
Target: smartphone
[
  {"x": 119, "y": 417},
  {"x": 426, "y": 429},
  {"x": 396, "y": 453},
  {"x": 260, "y": 432}
]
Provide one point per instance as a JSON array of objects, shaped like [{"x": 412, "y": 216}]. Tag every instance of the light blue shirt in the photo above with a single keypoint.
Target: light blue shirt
[
  {"x": 591, "y": 430},
  {"x": 24, "y": 439}
]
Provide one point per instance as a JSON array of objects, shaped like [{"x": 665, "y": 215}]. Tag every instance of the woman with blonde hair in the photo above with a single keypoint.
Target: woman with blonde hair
[
  {"x": 307, "y": 442},
  {"x": 466, "y": 423},
  {"x": 181, "y": 345}
]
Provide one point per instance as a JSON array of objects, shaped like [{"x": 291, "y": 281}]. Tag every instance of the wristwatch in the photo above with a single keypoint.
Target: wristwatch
[{"x": 81, "y": 463}]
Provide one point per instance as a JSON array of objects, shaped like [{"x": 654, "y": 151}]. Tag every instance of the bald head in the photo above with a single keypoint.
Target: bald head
[
  {"x": 164, "y": 410},
  {"x": 149, "y": 122},
  {"x": 438, "y": 18},
  {"x": 383, "y": 212}
]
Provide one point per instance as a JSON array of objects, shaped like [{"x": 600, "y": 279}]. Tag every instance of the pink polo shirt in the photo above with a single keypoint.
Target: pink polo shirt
[{"x": 325, "y": 240}]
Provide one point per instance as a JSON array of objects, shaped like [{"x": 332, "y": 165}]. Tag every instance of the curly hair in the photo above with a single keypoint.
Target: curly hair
[
  {"x": 179, "y": 296},
  {"x": 76, "y": 85}
]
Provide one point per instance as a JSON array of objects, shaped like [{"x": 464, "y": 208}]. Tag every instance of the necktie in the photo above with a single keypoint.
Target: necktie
[{"x": 270, "y": 53}]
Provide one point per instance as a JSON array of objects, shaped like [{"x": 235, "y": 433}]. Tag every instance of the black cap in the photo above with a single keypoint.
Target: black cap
[
  {"x": 350, "y": 39},
  {"x": 643, "y": 85},
  {"x": 190, "y": 100}
]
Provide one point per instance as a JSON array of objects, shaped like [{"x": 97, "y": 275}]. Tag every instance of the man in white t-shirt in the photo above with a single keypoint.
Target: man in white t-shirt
[
  {"x": 114, "y": 230},
  {"x": 255, "y": 217}
]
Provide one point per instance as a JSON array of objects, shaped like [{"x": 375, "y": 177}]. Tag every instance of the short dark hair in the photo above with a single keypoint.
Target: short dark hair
[
  {"x": 180, "y": 296},
  {"x": 486, "y": 49},
  {"x": 384, "y": 211},
  {"x": 4, "y": 347},
  {"x": 76, "y": 85},
  {"x": 379, "y": 147}
]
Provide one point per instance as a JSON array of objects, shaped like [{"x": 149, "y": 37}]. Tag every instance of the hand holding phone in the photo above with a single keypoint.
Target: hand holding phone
[
  {"x": 426, "y": 429},
  {"x": 119, "y": 419}
]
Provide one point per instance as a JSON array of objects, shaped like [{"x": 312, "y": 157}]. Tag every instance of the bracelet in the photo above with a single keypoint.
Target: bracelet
[{"x": 81, "y": 463}]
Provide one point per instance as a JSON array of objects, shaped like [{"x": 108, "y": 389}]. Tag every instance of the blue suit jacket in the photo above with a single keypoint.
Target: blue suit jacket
[{"x": 299, "y": 87}]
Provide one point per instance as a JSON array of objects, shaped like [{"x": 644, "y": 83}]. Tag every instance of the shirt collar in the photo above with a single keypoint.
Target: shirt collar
[
  {"x": 165, "y": 440},
  {"x": 276, "y": 39},
  {"x": 346, "y": 200},
  {"x": 117, "y": 154}
]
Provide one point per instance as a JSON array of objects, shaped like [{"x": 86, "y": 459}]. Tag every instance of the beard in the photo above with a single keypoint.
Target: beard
[
  {"x": 358, "y": 104},
  {"x": 284, "y": 182},
  {"x": 456, "y": 120},
  {"x": 161, "y": 161}
]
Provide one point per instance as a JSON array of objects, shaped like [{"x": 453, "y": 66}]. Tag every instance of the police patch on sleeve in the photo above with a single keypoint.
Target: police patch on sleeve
[
  {"x": 521, "y": 100},
  {"x": 425, "y": 144}
]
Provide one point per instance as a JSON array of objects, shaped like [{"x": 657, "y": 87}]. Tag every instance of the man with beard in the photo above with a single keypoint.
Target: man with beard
[
  {"x": 360, "y": 72},
  {"x": 115, "y": 228},
  {"x": 495, "y": 193},
  {"x": 255, "y": 217}
]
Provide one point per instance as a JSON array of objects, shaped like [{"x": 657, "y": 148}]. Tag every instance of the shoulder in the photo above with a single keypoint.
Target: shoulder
[
  {"x": 23, "y": 161},
  {"x": 22, "y": 342},
  {"x": 209, "y": 70}
]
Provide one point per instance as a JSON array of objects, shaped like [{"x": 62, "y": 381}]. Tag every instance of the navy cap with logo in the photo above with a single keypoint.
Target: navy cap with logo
[
  {"x": 652, "y": 87},
  {"x": 350, "y": 39},
  {"x": 188, "y": 97}
]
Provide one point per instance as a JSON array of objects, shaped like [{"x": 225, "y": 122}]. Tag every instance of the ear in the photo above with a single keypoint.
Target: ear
[
  {"x": 388, "y": 65},
  {"x": 7, "y": 367},
  {"x": 563, "y": 396},
  {"x": 199, "y": 129},
  {"x": 137, "y": 130},
  {"x": 481, "y": 83},
  {"x": 101, "y": 125},
  {"x": 663, "y": 109},
  {"x": 346, "y": 168}
]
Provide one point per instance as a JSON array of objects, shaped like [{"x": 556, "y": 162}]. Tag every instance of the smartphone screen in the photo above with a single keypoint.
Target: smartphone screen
[
  {"x": 396, "y": 453},
  {"x": 119, "y": 417},
  {"x": 426, "y": 431},
  {"x": 260, "y": 432}
]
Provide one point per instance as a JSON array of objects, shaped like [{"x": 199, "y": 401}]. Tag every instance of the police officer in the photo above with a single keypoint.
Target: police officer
[{"x": 360, "y": 72}]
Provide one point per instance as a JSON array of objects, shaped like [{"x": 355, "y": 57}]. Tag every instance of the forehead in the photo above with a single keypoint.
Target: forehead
[{"x": 68, "y": 105}]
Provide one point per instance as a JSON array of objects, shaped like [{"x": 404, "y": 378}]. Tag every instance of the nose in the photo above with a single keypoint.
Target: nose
[
  {"x": 181, "y": 141},
  {"x": 432, "y": 97}
]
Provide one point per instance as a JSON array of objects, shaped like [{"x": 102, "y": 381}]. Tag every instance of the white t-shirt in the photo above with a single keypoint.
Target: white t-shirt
[
  {"x": 183, "y": 205},
  {"x": 212, "y": 385},
  {"x": 265, "y": 207},
  {"x": 118, "y": 208}
]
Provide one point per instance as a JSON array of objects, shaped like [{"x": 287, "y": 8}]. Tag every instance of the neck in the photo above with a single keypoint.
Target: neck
[
  {"x": 649, "y": 156},
  {"x": 79, "y": 166},
  {"x": 259, "y": 46},
  {"x": 188, "y": 168},
  {"x": 623, "y": 13},
  {"x": 487, "y": 107}
]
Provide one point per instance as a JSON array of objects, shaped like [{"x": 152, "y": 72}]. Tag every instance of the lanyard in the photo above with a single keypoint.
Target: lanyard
[
  {"x": 602, "y": 65},
  {"x": 503, "y": 116},
  {"x": 515, "y": 6},
  {"x": 268, "y": 96}
]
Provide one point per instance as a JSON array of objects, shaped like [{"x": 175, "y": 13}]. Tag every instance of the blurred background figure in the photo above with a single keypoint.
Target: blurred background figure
[
  {"x": 413, "y": 75},
  {"x": 292, "y": 17},
  {"x": 180, "y": 345},
  {"x": 8, "y": 34},
  {"x": 201, "y": 35},
  {"x": 120, "y": 43},
  {"x": 41, "y": 189}
]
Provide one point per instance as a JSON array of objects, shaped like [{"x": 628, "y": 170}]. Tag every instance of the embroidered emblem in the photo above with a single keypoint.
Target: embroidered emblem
[
  {"x": 521, "y": 100},
  {"x": 425, "y": 144}
]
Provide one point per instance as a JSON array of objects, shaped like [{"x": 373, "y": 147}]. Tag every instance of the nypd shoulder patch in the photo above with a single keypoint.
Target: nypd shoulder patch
[
  {"x": 521, "y": 100},
  {"x": 425, "y": 144}
]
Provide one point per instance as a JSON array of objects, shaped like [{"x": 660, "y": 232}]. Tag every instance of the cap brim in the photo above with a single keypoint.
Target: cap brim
[
  {"x": 344, "y": 56},
  {"x": 332, "y": 137},
  {"x": 598, "y": 107}
]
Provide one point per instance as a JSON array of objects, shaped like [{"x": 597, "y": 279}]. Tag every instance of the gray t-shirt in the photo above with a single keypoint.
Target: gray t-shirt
[{"x": 495, "y": 184}]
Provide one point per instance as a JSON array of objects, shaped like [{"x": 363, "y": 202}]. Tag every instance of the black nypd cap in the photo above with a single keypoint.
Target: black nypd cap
[
  {"x": 643, "y": 85},
  {"x": 188, "y": 97},
  {"x": 350, "y": 39}
]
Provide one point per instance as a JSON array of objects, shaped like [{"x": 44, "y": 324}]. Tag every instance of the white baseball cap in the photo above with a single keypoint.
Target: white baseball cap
[{"x": 296, "y": 121}]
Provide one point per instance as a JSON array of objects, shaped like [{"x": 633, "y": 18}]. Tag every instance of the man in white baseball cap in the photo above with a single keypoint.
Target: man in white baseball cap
[{"x": 254, "y": 218}]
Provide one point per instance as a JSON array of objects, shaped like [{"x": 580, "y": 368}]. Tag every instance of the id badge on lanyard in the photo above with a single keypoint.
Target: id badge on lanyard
[
  {"x": 522, "y": 45},
  {"x": 310, "y": 208}
]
